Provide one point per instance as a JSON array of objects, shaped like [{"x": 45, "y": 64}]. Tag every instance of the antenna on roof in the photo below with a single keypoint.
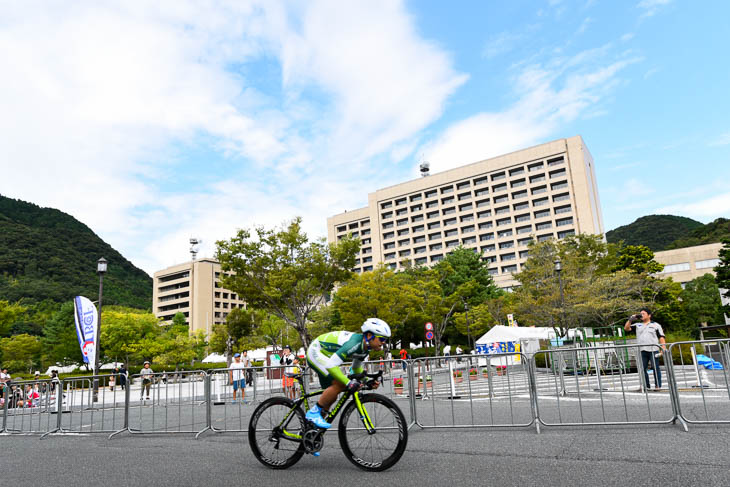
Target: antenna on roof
[
  {"x": 424, "y": 166},
  {"x": 194, "y": 243}
]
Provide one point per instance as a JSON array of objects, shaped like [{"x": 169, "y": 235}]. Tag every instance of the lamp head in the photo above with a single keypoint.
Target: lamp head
[{"x": 101, "y": 265}]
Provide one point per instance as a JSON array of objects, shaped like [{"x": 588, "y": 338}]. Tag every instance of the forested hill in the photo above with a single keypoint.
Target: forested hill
[
  {"x": 47, "y": 254},
  {"x": 711, "y": 233},
  {"x": 654, "y": 231}
]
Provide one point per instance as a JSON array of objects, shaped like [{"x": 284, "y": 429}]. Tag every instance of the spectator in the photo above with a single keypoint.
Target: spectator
[
  {"x": 459, "y": 351},
  {"x": 290, "y": 361},
  {"x": 236, "y": 376},
  {"x": 4, "y": 376},
  {"x": 248, "y": 367},
  {"x": 403, "y": 356},
  {"x": 32, "y": 397},
  {"x": 649, "y": 335},
  {"x": 146, "y": 373},
  {"x": 122, "y": 374}
]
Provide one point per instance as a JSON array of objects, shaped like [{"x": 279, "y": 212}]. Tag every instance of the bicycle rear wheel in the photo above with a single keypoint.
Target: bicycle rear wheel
[
  {"x": 378, "y": 451},
  {"x": 275, "y": 444}
]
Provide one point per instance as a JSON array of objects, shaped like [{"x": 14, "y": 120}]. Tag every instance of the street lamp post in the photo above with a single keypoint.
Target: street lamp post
[
  {"x": 466, "y": 317},
  {"x": 558, "y": 271},
  {"x": 101, "y": 270}
]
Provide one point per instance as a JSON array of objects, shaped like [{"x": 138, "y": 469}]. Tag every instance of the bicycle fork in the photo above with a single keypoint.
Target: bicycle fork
[{"x": 364, "y": 416}]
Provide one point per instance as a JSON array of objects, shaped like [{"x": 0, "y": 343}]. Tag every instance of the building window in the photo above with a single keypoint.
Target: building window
[
  {"x": 365, "y": 223},
  {"x": 433, "y": 225},
  {"x": 464, "y": 196},
  {"x": 388, "y": 235},
  {"x": 387, "y": 225},
  {"x": 707, "y": 264},
  {"x": 462, "y": 185},
  {"x": 434, "y": 236},
  {"x": 543, "y": 226},
  {"x": 523, "y": 230},
  {"x": 416, "y": 197},
  {"x": 561, "y": 197},
  {"x": 489, "y": 248},
  {"x": 402, "y": 232},
  {"x": 557, "y": 174},
  {"x": 564, "y": 221},
  {"x": 447, "y": 189},
  {"x": 385, "y": 205},
  {"x": 452, "y": 243},
  {"x": 516, "y": 171},
  {"x": 493, "y": 271},
  {"x": 421, "y": 261},
  {"x": 481, "y": 192},
  {"x": 481, "y": 180},
  {"x": 518, "y": 183},
  {"x": 522, "y": 218},
  {"x": 466, "y": 218},
  {"x": 566, "y": 233},
  {"x": 448, "y": 211},
  {"x": 486, "y": 236},
  {"x": 449, "y": 221},
  {"x": 432, "y": 204},
  {"x": 465, "y": 207},
  {"x": 451, "y": 233},
  {"x": 508, "y": 269},
  {"x": 468, "y": 240},
  {"x": 366, "y": 250},
  {"x": 483, "y": 203},
  {"x": 485, "y": 225},
  {"x": 432, "y": 214},
  {"x": 400, "y": 201},
  {"x": 367, "y": 268},
  {"x": 684, "y": 266},
  {"x": 505, "y": 257},
  {"x": 401, "y": 212},
  {"x": 404, "y": 242},
  {"x": 418, "y": 228},
  {"x": 562, "y": 209},
  {"x": 535, "y": 167},
  {"x": 467, "y": 229},
  {"x": 447, "y": 201},
  {"x": 504, "y": 233},
  {"x": 519, "y": 194},
  {"x": 539, "y": 190},
  {"x": 504, "y": 221},
  {"x": 542, "y": 213},
  {"x": 524, "y": 254},
  {"x": 416, "y": 208},
  {"x": 392, "y": 266},
  {"x": 343, "y": 228},
  {"x": 543, "y": 238},
  {"x": 537, "y": 178},
  {"x": 367, "y": 259},
  {"x": 390, "y": 255},
  {"x": 430, "y": 194},
  {"x": 499, "y": 187},
  {"x": 420, "y": 239},
  {"x": 436, "y": 246},
  {"x": 404, "y": 253},
  {"x": 559, "y": 185},
  {"x": 506, "y": 245},
  {"x": 555, "y": 161},
  {"x": 540, "y": 202},
  {"x": 365, "y": 241},
  {"x": 416, "y": 218},
  {"x": 500, "y": 199},
  {"x": 401, "y": 222},
  {"x": 502, "y": 210},
  {"x": 524, "y": 241},
  {"x": 437, "y": 257},
  {"x": 498, "y": 177},
  {"x": 389, "y": 245}
]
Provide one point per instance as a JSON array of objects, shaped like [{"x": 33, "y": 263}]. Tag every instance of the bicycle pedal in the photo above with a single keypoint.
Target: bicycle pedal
[{"x": 316, "y": 454}]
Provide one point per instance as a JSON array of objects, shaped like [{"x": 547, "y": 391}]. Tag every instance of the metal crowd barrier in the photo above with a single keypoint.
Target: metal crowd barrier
[
  {"x": 585, "y": 386},
  {"x": 478, "y": 391},
  {"x": 168, "y": 403},
  {"x": 703, "y": 393},
  {"x": 592, "y": 385}
]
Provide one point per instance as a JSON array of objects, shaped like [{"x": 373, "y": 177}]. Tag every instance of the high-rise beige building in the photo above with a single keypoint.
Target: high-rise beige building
[
  {"x": 496, "y": 206},
  {"x": 683, "y": 265},
  {"x": 193, "y": 288}
]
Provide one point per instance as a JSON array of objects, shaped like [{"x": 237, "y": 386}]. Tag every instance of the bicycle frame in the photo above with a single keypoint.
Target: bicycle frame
[{"x": 364, "y": 416}]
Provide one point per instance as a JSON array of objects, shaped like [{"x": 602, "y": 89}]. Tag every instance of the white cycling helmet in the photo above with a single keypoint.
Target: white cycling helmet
[{"x": 376, "y": 326}]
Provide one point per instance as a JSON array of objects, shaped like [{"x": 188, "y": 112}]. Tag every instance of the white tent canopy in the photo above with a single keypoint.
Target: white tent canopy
[
  {"x": 214, "y": 358},
  {"x": 501, "y": 333}
]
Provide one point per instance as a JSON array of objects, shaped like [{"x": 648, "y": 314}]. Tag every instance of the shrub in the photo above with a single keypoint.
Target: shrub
[
  {"x": 457, "y": 373},
  {"x": 473, "y": 372},
  {"x": 398, "y": 382}
]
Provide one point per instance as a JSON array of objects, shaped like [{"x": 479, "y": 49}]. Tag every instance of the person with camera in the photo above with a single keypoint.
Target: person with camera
[{"x": 649, "y": 335}]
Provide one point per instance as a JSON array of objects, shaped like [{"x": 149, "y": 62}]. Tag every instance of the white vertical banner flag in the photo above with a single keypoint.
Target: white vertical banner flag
[{"x": 87, "y": 320}]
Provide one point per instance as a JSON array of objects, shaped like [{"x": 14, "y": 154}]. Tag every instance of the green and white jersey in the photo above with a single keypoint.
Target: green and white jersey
[{"x": 327, "y": 352}]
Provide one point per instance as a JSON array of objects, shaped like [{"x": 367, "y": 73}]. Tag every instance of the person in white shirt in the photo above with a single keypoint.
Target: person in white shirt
[
  {"x": 291, "y": 361},
  {"x": 649, "y": 336},
  {"x": 236, "y": 375}
]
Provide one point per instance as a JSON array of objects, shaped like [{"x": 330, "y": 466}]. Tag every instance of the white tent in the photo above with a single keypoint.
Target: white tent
[
  {"x": 527, "y": 338},
  {"x": 61, "y": 369},
  {"x": 110, "y": 366},
  {"x": 214, "y": 358}
]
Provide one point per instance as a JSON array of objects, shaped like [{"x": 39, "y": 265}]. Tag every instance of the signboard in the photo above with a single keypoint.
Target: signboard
[
  {"x": 502, "y": 347},
  {"x": 429, "y": 335},
  {"x": 86, "y": 318},
  {"x": 511, "y": 321},
  {"x": 429, "y": 326}
]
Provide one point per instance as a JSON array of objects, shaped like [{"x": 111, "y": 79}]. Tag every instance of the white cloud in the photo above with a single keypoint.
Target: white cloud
[
  {"x": 102, "y": 102},
  {"x": 651, "y": 7},
  {"x": 723, "y": 139},
  {"x": 547, "y": 95},
  {"x": 709, "y": 208}
]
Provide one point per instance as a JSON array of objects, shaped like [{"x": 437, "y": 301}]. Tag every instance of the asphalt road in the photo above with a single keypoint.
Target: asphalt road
[{"x": 661, "y": 455}]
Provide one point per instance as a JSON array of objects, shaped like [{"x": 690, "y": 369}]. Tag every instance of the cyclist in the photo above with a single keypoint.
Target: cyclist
[{"x": 327, "y": 352}]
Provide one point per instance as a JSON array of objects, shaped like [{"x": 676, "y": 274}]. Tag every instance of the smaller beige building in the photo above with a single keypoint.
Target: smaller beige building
[
  {"x": 193, "y": 289},
  {"x": 683, "y": 265}
]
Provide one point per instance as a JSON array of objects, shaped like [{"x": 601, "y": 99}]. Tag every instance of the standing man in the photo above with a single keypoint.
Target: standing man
[
  {"x": 146, "y": 374},
  {"x": 236, "y": 376},
  {"x": 123, "y": 377},
  {"x": 649, "y": 334},
  {"x": 249, "y": 371},
  {"x": 289, "y": 360}
]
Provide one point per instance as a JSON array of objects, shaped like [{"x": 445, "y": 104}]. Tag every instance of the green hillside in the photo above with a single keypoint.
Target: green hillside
[
  {"x": 713, "y": 232},
  {"x": 46, "y": 254},
  {"x": 654, "y": 231}
]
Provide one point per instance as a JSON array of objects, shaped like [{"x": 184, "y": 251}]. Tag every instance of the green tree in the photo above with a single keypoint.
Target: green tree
[
  {"x": 637, "y": 258},
  {"x": 475, "y": 321},
  {"x": 9, "y": 314},
  {"x": 283, "y": 273},
  {"x": 467, "y": 266},
  {"x": 722, "y": 273},
  {"x": 701, "y": 302},
  {"x": 129, "y": 334},
  {"x": 61, "y": 345},
  {"x": 21, "y": 353}
]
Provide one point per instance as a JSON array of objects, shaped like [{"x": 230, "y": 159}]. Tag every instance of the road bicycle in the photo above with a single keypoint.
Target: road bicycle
[{"x": 372, "y": 430}]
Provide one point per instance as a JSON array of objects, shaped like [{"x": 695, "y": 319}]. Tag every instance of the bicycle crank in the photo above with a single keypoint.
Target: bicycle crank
[{"x": 313, "y": 440}]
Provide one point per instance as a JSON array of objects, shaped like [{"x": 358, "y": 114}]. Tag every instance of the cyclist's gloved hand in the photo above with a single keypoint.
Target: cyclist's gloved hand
[{"x": 354, "y": 385}]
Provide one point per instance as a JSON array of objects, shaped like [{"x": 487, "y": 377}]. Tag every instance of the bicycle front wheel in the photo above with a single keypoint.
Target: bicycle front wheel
[
  {"x": 382, "y": 449},
  {"x": 274, "y": 440}
]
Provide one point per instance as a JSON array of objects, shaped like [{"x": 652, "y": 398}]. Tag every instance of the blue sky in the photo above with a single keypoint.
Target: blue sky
[{"x": 155, "y": 121}]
